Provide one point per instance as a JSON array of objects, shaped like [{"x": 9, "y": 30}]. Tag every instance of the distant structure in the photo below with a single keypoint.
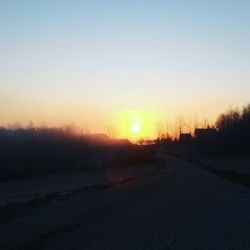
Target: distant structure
[
  {"x": 103, "y": 138},
  {"x": 185, "y": 138},
  {"x": 97, "y": 137},
  {"x": 205, "y": 133},
  {"x": 120, "y": 141}
]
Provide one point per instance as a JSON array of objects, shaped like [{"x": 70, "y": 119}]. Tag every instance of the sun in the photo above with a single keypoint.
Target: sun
[
  {"x": 135, "y": 124},
  {"x": 135, "y": 128}
]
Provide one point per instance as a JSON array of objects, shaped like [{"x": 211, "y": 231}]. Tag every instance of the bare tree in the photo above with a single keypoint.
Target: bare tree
[{"x": 180, "y": 125}]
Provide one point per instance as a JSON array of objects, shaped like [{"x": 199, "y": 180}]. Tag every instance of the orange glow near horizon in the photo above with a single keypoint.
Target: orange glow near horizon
[{"x": 135, "y": 124}]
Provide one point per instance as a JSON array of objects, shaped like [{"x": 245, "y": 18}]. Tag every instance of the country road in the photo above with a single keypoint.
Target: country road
[{"x": 177, "y": 207}]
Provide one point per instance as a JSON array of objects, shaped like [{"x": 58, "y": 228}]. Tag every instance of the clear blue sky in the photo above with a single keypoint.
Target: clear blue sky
[{"x": 80, "y": 61}]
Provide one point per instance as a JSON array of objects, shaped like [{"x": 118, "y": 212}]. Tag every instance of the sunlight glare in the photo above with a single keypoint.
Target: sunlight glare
[
  {"x": 134, "y": 124},
  {"x": 135, "y": 128}
]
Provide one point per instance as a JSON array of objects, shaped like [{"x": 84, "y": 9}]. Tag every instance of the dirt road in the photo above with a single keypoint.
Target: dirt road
[{"x": 177, "y": 207}]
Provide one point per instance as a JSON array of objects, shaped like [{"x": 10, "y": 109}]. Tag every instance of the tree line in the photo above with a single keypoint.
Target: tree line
[
  {"x": 32, "y": 151},
  {"x": 230, "y": 134}
]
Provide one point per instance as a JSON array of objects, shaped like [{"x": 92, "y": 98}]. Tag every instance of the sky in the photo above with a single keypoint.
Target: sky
[{"x": 88, "y": 62}]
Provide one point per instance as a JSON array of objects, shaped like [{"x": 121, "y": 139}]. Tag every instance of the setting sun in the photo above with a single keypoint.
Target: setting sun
[
  {"x": 135, "y": 124},
  {"x": 135, "y": 128}
]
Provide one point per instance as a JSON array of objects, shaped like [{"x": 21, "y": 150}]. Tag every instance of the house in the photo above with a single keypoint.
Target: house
[
  {"x": 205, "y": 133},
  {"x": 185, "y": 138}
]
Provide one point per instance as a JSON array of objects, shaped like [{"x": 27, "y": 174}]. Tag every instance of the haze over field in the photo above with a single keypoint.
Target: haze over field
[{"x": 88, "y": 62}]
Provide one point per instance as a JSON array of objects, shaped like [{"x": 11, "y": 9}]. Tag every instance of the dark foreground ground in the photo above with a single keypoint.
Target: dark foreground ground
[{"x": 179, "y": 206}]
